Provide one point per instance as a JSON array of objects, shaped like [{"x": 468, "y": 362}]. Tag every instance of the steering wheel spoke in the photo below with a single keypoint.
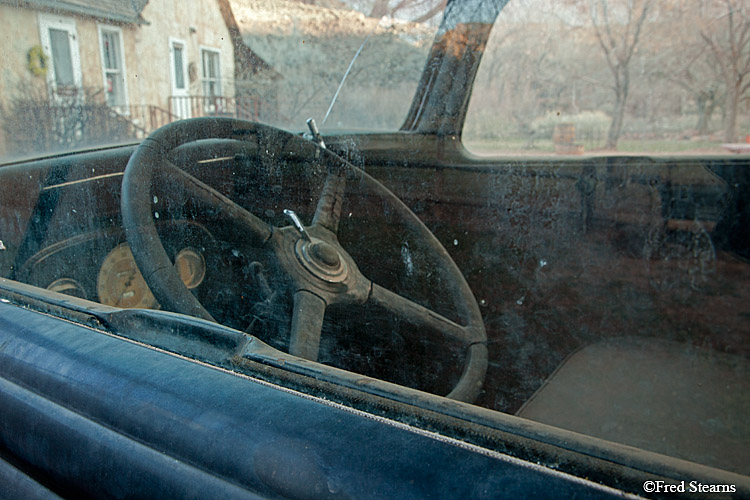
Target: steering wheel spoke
[
  {"x": 419, "y": 315},
  {"x": 252, "y": 228},
  {"x": 328, "y": 211},
  {"x": 471, "y": 336},
  {"x": 307, "y": 323}
]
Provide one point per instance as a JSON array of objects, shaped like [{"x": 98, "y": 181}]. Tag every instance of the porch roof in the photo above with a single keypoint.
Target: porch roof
[{"x": 121, "y": 11}]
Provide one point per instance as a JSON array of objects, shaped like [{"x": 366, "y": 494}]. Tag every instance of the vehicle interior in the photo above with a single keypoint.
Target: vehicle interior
[{"x": 605, "y": 295}]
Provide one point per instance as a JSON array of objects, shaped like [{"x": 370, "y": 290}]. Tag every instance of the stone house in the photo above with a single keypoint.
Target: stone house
[{"x": 132, "y": 65}]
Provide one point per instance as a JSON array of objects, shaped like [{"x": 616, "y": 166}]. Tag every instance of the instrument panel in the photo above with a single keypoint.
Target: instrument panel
[
  {"x": 120, "y": 282},
  {"x": 100, "y": 266}
]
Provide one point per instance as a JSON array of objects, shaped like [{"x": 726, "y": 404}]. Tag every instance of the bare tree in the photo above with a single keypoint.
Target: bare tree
[
  {"x": 725, "y": 28},
  {"x": 618, "y": 25},
  {"x": 695, "y": 74},
  {"x": 677, "y": 56},
  {"x": 707, "y": 96}
]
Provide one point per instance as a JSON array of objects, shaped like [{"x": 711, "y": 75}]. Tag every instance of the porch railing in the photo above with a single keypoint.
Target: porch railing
[
  {"x": 145, "y": 118},
  {"x": 246, "y": 108},
  {"x": 40, "y": 126},
  {"x": 46, "y": 125}
]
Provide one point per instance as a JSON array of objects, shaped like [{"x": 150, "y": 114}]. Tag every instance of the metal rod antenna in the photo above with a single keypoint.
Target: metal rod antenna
[{"x": 348, "y": 70}]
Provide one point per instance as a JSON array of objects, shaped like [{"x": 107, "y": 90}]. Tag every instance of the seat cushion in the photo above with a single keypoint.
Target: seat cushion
[{"x": 662, "y": 396}]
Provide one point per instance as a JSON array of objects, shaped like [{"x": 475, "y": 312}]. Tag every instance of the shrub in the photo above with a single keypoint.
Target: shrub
[
  {"x": 591, "y": 126},
  {"x": 34, "y": 120}
]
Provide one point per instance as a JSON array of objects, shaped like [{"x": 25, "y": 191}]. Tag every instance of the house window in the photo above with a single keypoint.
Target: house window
[
  {"x": 211, "y": 72},
  {"x": 60, "y": 44},
  {"x": 113, "y": 67},
  {"x": 180, "y": 102},
  {"x": 178, "y": 57},
  {"x": 61, "y": 58}
]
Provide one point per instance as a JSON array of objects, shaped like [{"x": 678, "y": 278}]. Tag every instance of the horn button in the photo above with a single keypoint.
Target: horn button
[{"x": 321, "y": 259}]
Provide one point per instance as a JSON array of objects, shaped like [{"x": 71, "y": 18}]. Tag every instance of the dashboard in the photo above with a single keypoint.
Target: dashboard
[
  {"x": 64, "y": 232},
  {"x": 70, "y": 239}
]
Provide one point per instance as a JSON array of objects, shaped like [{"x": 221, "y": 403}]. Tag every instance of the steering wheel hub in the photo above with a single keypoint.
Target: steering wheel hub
[
  {"x": 321, "y": 259},
  {"x": 325, "y": 254}
]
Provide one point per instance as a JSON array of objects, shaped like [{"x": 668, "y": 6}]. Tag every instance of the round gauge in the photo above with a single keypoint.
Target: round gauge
[
  {"x": 68, "y": 286},
  {"x": 120, "y": 283},
  {"x": 191, "y": 266}
]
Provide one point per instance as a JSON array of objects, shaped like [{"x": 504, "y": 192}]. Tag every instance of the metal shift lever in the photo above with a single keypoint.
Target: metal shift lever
[
  {"x": 315, "y": 132},
  {"x": 297, "y": 223}
]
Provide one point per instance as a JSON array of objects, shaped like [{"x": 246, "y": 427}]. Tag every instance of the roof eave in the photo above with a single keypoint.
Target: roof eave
[{"x": 58, "y": 7}]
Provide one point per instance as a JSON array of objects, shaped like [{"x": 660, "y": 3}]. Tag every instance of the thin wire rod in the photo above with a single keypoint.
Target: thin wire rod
[{"x": 348, "y": 70}]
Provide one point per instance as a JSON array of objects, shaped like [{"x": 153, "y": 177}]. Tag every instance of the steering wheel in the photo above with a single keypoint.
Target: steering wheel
[{"x": 318, "y": 271}]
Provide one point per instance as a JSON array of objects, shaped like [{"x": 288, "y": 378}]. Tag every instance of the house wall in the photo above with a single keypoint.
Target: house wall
[
  {"x": 20, "y": 32},
  {"x": 88, "y": 47},
  {"x": 198, "y": 24},
  {"x": 19, "y": 28}
]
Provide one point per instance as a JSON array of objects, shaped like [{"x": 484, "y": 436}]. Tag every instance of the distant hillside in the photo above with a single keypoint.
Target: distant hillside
[{"x": 312, "y": 46}]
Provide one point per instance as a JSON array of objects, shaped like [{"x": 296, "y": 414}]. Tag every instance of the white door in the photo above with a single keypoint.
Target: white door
[
  {"x": 179, "y": 101},
  {"x": 60, "y": 44}
]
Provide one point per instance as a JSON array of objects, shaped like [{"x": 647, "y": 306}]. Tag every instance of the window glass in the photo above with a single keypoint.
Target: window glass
[
  {"x": 61, "y": 58},
  {"x": 110, "y": 45},
  {"x": 625, "y": 259},
  {"x": 573, "y": 78},
  {"x": 211, "y": 73},
  {"x": 113, "y": 70},
  {"x": 179, "y": 66}
]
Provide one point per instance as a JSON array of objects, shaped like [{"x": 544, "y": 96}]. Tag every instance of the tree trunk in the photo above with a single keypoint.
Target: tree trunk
[
  {"x": 616, "y": 126},
  {"x": 621, "y": 97},
  {"x": 730, "y": 122},
  {"x": 706, "y": 103}
]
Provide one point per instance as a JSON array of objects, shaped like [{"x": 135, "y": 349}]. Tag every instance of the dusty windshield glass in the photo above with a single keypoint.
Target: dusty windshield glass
[
  {"x": 466, "y": 221},
  {"x": 371, "y": 65}
]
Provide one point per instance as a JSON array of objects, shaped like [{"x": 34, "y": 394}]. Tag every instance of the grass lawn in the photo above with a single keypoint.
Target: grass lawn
[{"x": 627, "y": 146}]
